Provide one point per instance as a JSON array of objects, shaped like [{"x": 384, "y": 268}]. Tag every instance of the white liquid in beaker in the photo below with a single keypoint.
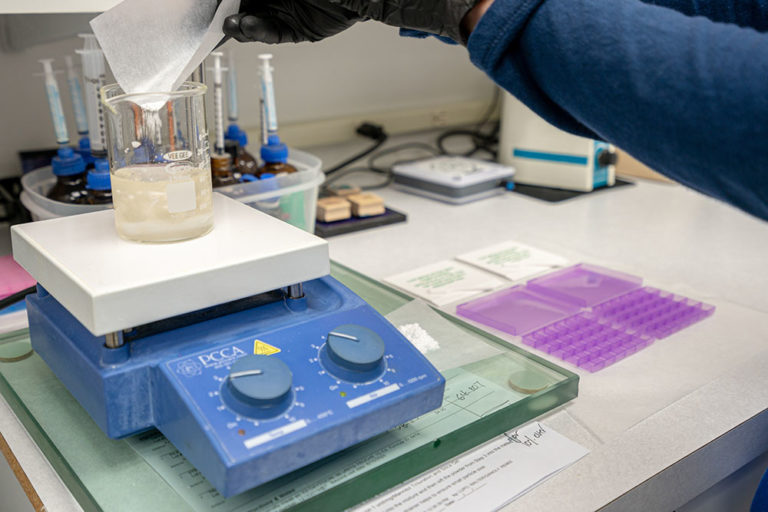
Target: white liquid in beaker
[{"x": 162, "y": 203}]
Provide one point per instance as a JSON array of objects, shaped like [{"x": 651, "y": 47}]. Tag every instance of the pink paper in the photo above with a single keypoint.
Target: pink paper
[{"x": 13, "y": 278}]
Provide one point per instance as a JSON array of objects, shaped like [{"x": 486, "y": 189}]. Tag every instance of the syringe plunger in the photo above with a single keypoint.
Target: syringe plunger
[{"x": 218, "y": 107}]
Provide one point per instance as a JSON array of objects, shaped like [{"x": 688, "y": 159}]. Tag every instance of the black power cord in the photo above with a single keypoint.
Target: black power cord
[
  {"x": 487, "y": 142},
  {"x": 481, "y": 141},
  {"x": 368, "y": 130}
]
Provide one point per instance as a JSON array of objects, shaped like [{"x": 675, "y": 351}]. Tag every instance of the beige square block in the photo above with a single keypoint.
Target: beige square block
[
  {"x": 331, "y": 209},
  {"x": 366, "y": 204}
]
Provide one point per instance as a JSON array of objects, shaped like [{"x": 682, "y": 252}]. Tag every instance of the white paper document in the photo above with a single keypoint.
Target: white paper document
[
  {"x": 445, "y": 281},
  {"x": 486, "y": 478},
  {"x": 513, "y": 260}
]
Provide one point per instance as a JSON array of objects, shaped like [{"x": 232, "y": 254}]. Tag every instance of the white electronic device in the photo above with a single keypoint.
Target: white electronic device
[
  {"x": 453, "y": 179},
  {"x": 546, "y": 156}
]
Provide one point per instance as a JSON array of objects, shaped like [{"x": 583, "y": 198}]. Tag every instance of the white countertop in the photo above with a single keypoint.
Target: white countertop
[
  {"x": 670, "y": 421},
  {"x": 662, "y": 425}
]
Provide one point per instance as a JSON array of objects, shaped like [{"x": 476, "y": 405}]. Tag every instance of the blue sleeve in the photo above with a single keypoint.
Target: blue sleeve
[
  {"x": 686, "y": 95},
  {"x": 745, "y": 13}
]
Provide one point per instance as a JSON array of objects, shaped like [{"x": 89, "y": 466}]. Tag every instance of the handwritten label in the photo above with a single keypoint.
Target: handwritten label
[{"x": 486, "y": 478}]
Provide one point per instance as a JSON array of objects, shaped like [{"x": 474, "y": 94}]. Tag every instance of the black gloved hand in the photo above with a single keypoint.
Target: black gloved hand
[
  {"x": 440, "y": 17},
  {"x": 280, "y": 21},
  {"x": 288, "y": 21}
]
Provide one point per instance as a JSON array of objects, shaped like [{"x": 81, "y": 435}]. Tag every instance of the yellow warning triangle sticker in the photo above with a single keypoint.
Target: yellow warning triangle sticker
[{"x": 264, "y": 349}]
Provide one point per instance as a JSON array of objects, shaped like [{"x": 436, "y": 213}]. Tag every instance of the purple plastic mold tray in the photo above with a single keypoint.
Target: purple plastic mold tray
[
  {"x": 516, "y": 310},
  {"x": 586, "y": 315},
  {"x": 585, "y": 285},
  {"x": 585, "y": 341},
  {"x": 653, "y": 312}
]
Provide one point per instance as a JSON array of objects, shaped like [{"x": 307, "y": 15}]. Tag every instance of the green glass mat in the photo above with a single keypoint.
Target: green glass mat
[{"x": 109, "y": 475}]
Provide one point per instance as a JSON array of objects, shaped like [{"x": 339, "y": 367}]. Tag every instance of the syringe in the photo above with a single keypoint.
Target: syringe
[
  {"x": 76, "y": 93},
  {"x": 264, "y": 130},
  {"x": 274, "y": 152},
  {"x": 231, "y": 88},
  {"x": 93, "y": 75},
  {"x": 233, "y": 133},
  {"x": 218, "y": 106},
  {"x": 67, "y": 165},
  {"x": 54, "y": 103},
  {"x": 268, "y": 94}
]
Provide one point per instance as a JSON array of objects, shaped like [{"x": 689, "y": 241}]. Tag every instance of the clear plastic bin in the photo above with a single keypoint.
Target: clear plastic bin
[
  {"x": 290, "y": 197},
  {"x": 36, "y": 185}
]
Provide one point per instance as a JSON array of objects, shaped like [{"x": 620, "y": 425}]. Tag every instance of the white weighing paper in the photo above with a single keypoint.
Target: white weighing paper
[
  {"x": 153, "y": 46},
  {"x": 513, "y": 260},
  {"x": 486, "y": 478},
  {"x": 445, "y": 281}
]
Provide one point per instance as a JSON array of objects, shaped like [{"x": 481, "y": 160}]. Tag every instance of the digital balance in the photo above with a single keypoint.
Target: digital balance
[{"x": 238, "y": 346}]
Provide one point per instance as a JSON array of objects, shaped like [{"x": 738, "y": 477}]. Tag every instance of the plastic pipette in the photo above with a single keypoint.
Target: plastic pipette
[
  {"x": 218, "y": 107},
  {"x": 76, "y": 93},
  {"x": 54, "y": 103},
  {"x": 93, "y": 76},
  {"x": 268, "y": 93}
]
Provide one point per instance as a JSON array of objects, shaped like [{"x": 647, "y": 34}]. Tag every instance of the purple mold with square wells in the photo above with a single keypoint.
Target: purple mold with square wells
[
  {"x": 586, "y": 315},
  {"x": 587, "y": 342},
  {"x": 653, "y": 312}
]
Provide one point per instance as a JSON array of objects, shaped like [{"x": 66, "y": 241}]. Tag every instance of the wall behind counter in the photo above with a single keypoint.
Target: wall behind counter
[{"x": 367, "y": 69}]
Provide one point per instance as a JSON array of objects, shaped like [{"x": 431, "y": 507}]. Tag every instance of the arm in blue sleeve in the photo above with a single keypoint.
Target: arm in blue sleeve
[
  {"x": 685, "y": 95},
  {"x": 745, "y": 13}
]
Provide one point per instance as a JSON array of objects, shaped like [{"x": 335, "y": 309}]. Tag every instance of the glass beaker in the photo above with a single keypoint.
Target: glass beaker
[{"x": 159, "y": 163}]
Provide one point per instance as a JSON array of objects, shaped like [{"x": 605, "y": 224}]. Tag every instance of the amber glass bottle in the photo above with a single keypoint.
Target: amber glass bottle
[
  {"x": 69, "y": 169},
  {"x": 98, "y": 184},
  {"x": 235, "y": 142},
  {"x": 275, "y": 156},
  {"x": 222, "y": 173}
]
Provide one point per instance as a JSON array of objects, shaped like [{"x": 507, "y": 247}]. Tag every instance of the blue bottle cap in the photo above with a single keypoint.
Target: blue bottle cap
[
  {"x": 248, "y": 178},
  {"x": 84, "y": 150},
  {"x": 101, "y": 164},
  {"x": 266, "y": 176},
  {"x": 236, "y": 134},
  {"x": 274, "y": 151},
  {"x": 98, "y": 179},
  {"x": 67, "y": 162}
]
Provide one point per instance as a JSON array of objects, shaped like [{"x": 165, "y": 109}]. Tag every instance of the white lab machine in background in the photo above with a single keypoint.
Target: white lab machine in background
[{"x": 549, "y": 157}]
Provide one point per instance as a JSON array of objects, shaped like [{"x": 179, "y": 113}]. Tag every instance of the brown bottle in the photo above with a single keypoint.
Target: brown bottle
[
  {"x": 69, "y": 169},
  {"x": 243, "y": 161},
  {"x": 275, "y": 156},
  {"x": 222, "y": 174},
  {"x": 98, "y": 184}
]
